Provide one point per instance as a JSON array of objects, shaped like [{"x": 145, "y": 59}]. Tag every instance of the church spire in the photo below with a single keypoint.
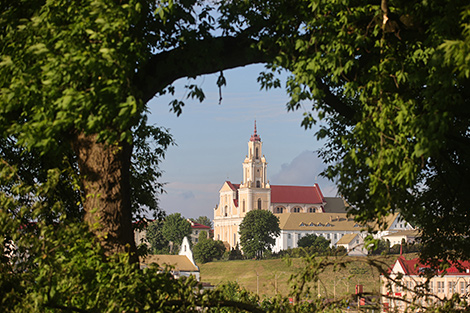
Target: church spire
[{"x": 255, "y": 136}]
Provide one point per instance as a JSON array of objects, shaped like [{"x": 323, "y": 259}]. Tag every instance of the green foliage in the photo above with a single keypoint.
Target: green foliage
[
  {"x": 319, "y": 243},
  {"x": 175, "y": 228},
  {"x": 258, "y": 232},
  {"x": 158, "y": 243},
  {"x": 390, "y": 83},
  {"x": 207, "y": 249},
  {"x": 203, "y": 220}
]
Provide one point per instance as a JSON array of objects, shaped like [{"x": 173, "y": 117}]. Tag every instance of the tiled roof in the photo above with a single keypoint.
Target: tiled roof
[
  {"x": 335, "y": 205},
  {"x": 346, "y": 239},
  {"x": 198, "y": 226},
  {"x": 324, "y": 221},
  {"x": 297, "y": 194},
  {"x": 179, "y": 262},
  {"x": 414, "y": 267},
  {"x": 410, "y": 233},
  {"x": 233, "y": 186},
  {"x": 317, "y": 221}
]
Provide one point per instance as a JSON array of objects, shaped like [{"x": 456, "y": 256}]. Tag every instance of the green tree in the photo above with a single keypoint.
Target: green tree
[
  {"x": 175, "y": 228},
  {"x": 390, "y": 82},
  {"x": 317, "y": 244},
  {"x": 75, "y": 79},
  {"x": 258, "y": 232},
  {"x": 208, "y": 249},
  {"x": 158, "y": 243},
  {"x": 203, "y": 220}
]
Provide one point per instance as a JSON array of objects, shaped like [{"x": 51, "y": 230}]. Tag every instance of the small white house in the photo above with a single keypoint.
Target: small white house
[
  {"x": 353, "y": 243},
  {"x": 183, "y": 264}
]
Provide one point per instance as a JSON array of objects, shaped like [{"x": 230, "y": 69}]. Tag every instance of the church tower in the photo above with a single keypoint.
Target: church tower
[
  {"x": 254, "y": 192},
  {"x": 236, "y": 200}
]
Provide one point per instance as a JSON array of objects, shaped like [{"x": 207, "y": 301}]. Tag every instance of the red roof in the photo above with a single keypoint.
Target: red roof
[
  {"x": 233, "y": 186},
  {"x": 414, "y": 267},
  {"x": 195, "y": 225},
  {"x": 297, "y": 194}
]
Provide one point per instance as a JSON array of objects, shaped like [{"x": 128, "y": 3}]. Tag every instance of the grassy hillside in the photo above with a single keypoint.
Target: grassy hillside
[{"x": 267, "y": 276}]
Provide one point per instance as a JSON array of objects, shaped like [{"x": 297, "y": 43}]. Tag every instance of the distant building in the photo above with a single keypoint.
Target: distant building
[
  {"x": 196, "y": 229},
  {"x": 302, "y": 210},
  {"x": 409, "y": 236},
  {"x": 406, "y": 277},
  {"x": 183, "y": 264},
  {"x": 338, "y": 228}
]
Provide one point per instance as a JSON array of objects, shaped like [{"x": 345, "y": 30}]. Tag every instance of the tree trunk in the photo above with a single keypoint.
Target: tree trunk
[{"x": 104, "y": 174}]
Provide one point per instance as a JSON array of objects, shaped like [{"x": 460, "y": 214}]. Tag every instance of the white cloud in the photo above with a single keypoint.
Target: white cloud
[{"x": 304, "y": 170}]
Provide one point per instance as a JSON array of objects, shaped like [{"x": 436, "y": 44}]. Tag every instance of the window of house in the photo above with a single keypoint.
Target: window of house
[
  {"x": 327, "y": 236},
  {"x": 440, "y": 287},
  {"x": 311, "y": 210},
  {"x": 279, "y": 209},
  {"x": 462, "y": 287},
  {"x": 288, "y": 236},
  {"x": 451, "y": 287},
  {"x": 336, "y": 236},
  {"x": 296, "y": 210}
]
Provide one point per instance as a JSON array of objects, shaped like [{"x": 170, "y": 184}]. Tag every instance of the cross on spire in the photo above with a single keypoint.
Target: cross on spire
[{"x": 255, "y": 136}]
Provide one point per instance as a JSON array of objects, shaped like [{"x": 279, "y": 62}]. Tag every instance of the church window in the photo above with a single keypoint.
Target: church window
[
  {"x": 259, "y": 204},
  {"x": 258, "y": 184},
  {"x": 225, "y": 211},
  {"x": 243, "y": 205},
  {"x": 257, "y": 156}
]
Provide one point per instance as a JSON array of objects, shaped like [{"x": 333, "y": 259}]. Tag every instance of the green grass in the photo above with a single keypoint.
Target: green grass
[{"x": 274, "y": 274}]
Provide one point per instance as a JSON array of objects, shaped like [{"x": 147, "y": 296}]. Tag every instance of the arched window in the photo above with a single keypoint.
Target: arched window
[
  {"x": 225, "y": 211},
  {"x": 279, "y": 209},
  {"x": 312, "y": 210},
  {"x": 243, "y": 205},
  {"x": 258, "y": 184},
  {"x": 259, "y": 204},
  {"x": 296, "y": 209},
  {"x": 257, "y": 156}
]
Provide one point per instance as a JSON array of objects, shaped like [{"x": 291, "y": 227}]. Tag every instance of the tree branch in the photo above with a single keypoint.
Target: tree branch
[
  {"x": 336, "y": 103},
  {"x": 197, "y": 58}
]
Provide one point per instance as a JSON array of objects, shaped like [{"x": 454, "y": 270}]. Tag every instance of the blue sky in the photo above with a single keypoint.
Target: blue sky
[{"x": 212, "y": 141}]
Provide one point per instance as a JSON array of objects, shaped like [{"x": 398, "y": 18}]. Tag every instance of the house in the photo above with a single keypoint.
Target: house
[
  {"x": 301, "y": 210},
  {"x": 182, "y": 265},
  {"x": 353, "y": 243},
  {"x": 411, "y": 284},
  {"x": 338, "y": 228},
  {"x": 196, "y": 229},
  {"x": 409, "y": 236}
]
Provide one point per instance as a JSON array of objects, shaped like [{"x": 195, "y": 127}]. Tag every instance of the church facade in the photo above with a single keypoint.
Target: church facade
[{"x": 255, "y": 193}]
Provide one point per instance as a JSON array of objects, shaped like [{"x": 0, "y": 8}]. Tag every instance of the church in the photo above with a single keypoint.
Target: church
[
  {"x": 301, "y": 210},
  {"x": 255, "y": 193}
]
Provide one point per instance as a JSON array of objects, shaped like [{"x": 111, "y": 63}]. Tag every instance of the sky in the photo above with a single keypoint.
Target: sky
[{"x": 212, "y": 141}]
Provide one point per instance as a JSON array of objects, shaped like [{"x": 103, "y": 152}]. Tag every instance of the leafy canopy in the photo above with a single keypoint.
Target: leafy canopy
[
  {"x": 390, "y": 82},
  {"x": 258, "y": 231}
]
